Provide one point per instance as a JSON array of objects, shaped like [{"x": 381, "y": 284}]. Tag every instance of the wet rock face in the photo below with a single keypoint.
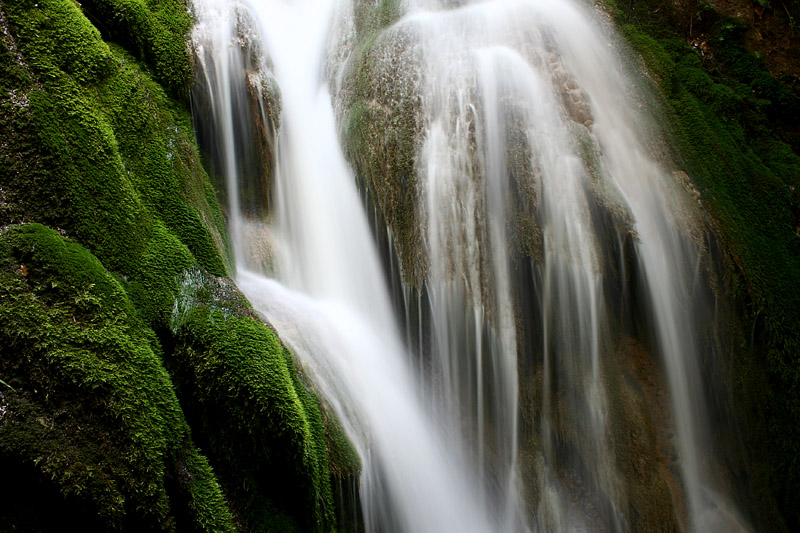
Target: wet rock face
[
  {"x": 380, "y": 106},
  {"x": 389, "y": 130},
  {"x": 576, "y": 103},
  {"x": 382, "y": 103},
  {"x": 255, "y": 96}
]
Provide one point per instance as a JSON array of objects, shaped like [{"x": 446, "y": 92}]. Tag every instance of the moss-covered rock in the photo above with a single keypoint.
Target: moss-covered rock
[
  {"x": 372, "y": 17},
  {"x": 128, "y": 183},
  {"x": 248, "y": 407},
  {"x": 156, "y": 32},
  {"x": 92, "y": 408},
  {"x": 382, "y": 125}
]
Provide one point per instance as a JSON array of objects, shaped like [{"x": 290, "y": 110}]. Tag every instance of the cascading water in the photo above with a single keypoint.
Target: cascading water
[
  {"x": 539, "y": 210},
  {"x": 334, "y": 310}
]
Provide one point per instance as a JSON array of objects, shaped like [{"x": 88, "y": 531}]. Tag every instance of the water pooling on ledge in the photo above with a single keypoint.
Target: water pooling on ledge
[{"x": 540, "y": 213}]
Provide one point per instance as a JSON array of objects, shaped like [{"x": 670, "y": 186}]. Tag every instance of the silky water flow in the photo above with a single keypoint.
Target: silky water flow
[{"x": 533, "y": 181}]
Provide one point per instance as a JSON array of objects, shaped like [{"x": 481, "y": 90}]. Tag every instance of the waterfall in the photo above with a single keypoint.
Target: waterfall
[
  {"x": 332, "y": 307},
  {"x": 541, "y": 213}
]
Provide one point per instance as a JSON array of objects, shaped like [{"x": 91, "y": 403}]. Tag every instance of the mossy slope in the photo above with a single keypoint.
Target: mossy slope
[
  {"x": 732, "y": 125},
  {"x": 97, "y": 143}
]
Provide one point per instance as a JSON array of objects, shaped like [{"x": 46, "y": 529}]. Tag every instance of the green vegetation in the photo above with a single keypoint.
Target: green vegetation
[
  {"x": 732, "y": 124},
  {"x": 97, "y": 144},
  {"x": 249, "y": 408},
  {"x": 92, "y": 406},
  {"x": 156, "y": 32}
]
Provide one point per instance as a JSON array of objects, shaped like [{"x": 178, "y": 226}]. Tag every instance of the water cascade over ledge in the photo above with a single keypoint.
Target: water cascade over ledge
[{"x": 532, "y": 359}]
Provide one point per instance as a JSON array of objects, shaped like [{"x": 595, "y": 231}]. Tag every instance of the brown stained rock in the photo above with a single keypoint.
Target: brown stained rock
[
  {"x": 645, "y": 441},
  {"x": 771, "y": 31},
  {"x": 576, "y": 104}
]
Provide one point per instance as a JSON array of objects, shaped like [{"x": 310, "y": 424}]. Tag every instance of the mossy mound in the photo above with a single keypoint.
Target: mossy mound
[
  {"x": 92, "y": 407},
  {"x": 248, "y": 406},
  {"x": 371, "y": 17},
  {"x": 732, "y": 125}
]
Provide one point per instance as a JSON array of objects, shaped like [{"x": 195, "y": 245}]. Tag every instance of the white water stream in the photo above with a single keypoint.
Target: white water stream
[
  {"x": 332, "y": 307},
  {"x": 533, "y": 76}
]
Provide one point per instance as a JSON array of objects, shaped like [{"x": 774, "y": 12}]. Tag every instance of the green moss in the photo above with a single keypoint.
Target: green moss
[
  {"x": 81, "y": 53},
  {"x": 263, "y": 428},
  {"x": 658, "y": 60},
  {"x": 92, "y": 406},
  {"x": 156, "y": 32},
  {"x": 158, "y": 151},
  {"x": 736, "y": 64},
  {"x": 152, "y": 285},
  {"x": 207, "y": 510},
  {"x": 344, "y": 459},
  {"x": 371, "y": 17}
]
